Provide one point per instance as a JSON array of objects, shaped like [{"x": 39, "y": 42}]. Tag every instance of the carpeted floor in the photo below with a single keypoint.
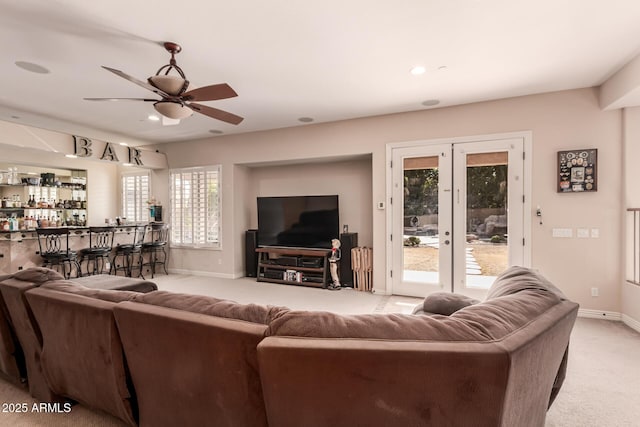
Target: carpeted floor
[
  {"x": 601, "y": 389},
  {"x": 603, "y": 377}
]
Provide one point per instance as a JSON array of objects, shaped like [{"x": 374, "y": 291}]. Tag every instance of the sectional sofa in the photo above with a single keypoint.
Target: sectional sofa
[{"x": 166, "y": 359}]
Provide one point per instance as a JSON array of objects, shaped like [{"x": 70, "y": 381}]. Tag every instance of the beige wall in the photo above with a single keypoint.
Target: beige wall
[
  {"x": 350, "y": 155},
  {"x": 350, "y": 180},
  {"x": 558, "y": 121}
]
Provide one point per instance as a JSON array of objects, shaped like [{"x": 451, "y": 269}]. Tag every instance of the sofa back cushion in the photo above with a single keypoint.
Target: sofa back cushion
[
  {"x": 519, "y": 297},
  {"x": 261, "y": 314},
  {"x": 517, "y": 279},
  {"x": 481, "y": 322},
  {"x": 101, "y": 294}
]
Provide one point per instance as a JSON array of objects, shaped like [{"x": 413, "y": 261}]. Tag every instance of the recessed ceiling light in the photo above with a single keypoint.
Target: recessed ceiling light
[
  {"x": 417, "y": 70},
  {"x": 153, "y": 118},
  {"x": 71, "y": 156},
  {"x": 127, "y": 164},
  {"x": 30, "y": 66},
  {"x": 215, "y": 131},
  {"x": 431, "y": 102},
  {"x": 305, "y": 119},
  {"x": 124, "y": 143},
  {"x": 442, "y": 68}
]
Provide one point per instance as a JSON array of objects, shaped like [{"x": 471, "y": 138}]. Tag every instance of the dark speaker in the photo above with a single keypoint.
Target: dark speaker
[
  {"x": 250, "y": 256},
  {"x": 348, "y": 241}
]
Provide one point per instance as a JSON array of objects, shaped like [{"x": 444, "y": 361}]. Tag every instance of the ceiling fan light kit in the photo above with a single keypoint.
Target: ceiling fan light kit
[
  {"x": 173, "y": 110},
  {"x": 176, "y": 103},
  {"x": 173, "y": 85}
]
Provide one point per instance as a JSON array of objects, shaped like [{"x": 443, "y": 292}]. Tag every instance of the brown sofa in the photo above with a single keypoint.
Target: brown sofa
[
  {"x": 488, "y": 364},
  {"x": 22, "y": 340},
  {"x": 197, "y": 360}
]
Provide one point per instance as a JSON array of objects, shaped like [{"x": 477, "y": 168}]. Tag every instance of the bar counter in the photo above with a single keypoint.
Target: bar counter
[{"x": 19, "y": 249}]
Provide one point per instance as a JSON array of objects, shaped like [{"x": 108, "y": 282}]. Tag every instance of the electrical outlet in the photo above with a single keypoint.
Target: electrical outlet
[
  {"x": 595, "y": 292},
  {"x": 583, "y": 233}
]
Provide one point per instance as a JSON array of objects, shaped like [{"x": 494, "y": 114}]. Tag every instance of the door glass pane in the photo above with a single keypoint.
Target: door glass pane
[
  {"x": 487, "y": 239},
  {"x": 420, "y": 214}
]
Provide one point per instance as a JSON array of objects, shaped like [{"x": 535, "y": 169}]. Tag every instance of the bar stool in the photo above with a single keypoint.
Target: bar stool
[
  {"x": 127, "y": 252},
  {"x": 156, "y": 245},
  {"x": 100, "y": 244},
  {"x": 54, "y": 250}
]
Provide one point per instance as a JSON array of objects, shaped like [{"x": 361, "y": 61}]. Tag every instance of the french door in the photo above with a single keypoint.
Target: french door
[{"x": 457, "y": 215}]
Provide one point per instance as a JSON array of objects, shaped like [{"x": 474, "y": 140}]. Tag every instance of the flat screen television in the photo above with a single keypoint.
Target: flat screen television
[{"x": 298, "y": 221}]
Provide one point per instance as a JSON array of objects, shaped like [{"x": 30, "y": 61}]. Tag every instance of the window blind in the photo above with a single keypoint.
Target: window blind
[
  {"x": 135, "y": 194},
  {"x": 195, "y": 207}
]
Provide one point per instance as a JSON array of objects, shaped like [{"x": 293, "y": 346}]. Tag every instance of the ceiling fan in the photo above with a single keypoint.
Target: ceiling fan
[{"x": 178, "y": 103}]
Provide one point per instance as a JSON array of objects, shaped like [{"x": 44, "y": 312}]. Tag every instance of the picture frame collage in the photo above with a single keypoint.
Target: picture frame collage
[{"x": 577, "y": 171}]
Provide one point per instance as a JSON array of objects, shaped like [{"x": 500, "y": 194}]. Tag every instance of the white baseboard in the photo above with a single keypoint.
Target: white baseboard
[
  {"x": 631, "y": 322},
  {"x": 205, "y": 273},
  {"x": 599, "y": 314}
]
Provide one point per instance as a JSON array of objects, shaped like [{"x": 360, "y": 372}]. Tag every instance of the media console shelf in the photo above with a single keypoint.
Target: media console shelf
[{"x": 293, "y": 266}]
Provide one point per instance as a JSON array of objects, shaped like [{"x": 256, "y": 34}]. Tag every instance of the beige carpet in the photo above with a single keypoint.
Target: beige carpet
[{"x": 601, "y": 389}]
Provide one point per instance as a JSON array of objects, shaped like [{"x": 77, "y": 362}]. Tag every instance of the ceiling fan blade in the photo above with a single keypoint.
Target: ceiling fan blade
[
  {"x": 210, "y": 93},
  {"x": 225, "y": 116},
  {"x": 136, "y": 81},
  {"x": 121, "y": 99}
]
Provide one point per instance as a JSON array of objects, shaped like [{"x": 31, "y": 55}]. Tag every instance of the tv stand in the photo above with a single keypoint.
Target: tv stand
[{"x": 293, "y": 266}]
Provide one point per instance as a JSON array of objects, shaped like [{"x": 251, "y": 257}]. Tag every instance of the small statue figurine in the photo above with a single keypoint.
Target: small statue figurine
[{"x": 333, "y": 265}]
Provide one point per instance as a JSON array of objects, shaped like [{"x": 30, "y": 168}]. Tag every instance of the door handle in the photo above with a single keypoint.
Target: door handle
[{"x": 446, "y": 242}]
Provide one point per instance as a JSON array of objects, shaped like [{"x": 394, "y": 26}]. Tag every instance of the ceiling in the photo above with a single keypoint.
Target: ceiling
[{"x": 326, "y": 60}]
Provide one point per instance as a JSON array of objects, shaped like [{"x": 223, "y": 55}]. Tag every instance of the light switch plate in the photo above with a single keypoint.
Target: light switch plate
[
  {"x": 595, "y": 233},
  {"x": 562, "y": 232}
]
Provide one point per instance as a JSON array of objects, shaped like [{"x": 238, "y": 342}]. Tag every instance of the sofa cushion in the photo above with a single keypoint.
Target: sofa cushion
[
  {"x": 262, "y": 314},
  {"x": 101, "y": 294},
  {"x": 444, "y": 303},
  {"x": 108, "y": 281},
  {"x": 493, "y": 319},
  {"x": 37, "y": 275},
  {"x": 517, "y": 279}
]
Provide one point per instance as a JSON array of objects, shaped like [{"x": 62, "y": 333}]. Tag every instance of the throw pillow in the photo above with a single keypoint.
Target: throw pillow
[{"x": 444, "y": 303}]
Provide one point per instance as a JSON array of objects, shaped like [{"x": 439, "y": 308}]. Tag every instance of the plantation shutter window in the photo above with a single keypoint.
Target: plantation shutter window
[
  {"x": 195, "y": 207},
  {"x": 135, "y": 194}
]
